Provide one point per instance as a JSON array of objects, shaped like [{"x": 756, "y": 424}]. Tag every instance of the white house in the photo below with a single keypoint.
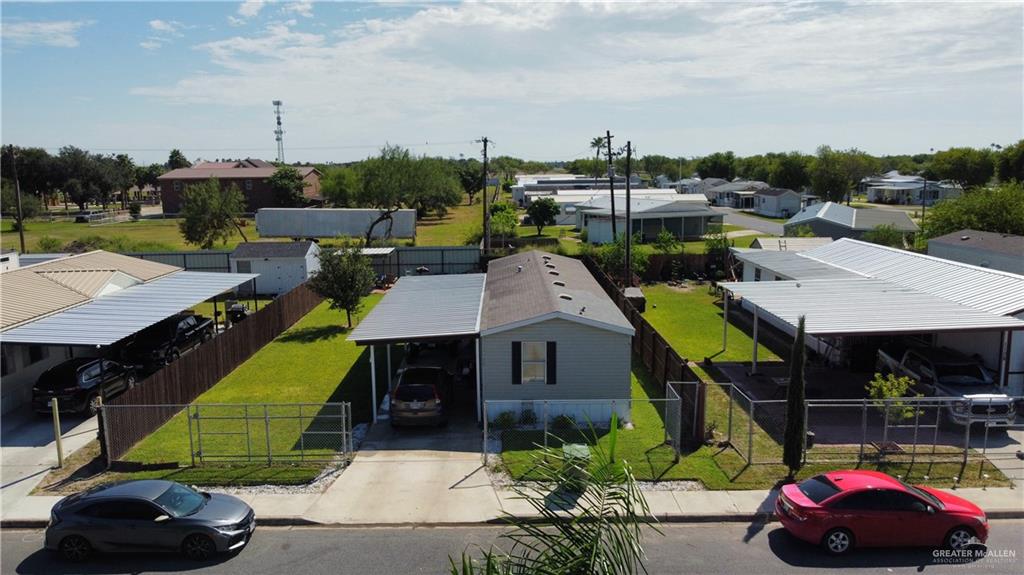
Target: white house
[
  {"x": 687, "y": 216},
  {"x": 776, "y": 202},
  {"x": 567, "y": 200},
  {"x": 281, "y": 265},
  {"x": 895, "y": 188},
  {"x": 984, "y": 249},
  {"x": 739, "y": 195}
]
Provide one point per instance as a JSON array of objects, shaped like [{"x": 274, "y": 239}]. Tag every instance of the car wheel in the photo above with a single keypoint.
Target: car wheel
[
  {"x": 75, "y": 548},
  {"x": 207, "y": 336},
  {"x": 198, "y": 547},
  {"x": 959, "y": 538},
  {"x": 131, "y": 382},
  {"x": 92, "y": 405},
  {"x": 173, "y": 356},
  {"x": 838, "y": 541}
]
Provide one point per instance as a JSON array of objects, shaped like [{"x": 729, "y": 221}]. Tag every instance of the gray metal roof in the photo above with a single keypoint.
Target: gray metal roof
[
  {"x": 792, "y": 264},
  {"x": 251, "y": 250},
  {"x": 788, "y": 244},
  {"x": 986, "y": 289},
  {"x": 853, "y": 306},
  {"x": 424, "y": 307},
  {"x": 111, "y": 318},
  {"x": 521, "y": 290},
  {"x": 853, "y": 218},
  {"x": 1007, "y": 244}
]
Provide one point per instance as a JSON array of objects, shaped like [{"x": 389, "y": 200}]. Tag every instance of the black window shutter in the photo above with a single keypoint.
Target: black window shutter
[
  {"x": 552, "y": 363},
  {"x": 517, "y": 363}
]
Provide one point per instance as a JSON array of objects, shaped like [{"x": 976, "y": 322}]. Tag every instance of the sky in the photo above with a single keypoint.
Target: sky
[{"x": 539, "y": 79}]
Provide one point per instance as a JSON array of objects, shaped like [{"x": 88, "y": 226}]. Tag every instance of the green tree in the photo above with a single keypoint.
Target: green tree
[
  {"x": 717, "y": 165},
  {"x": 122, "y": 176},
  {"x": 968, "y": 167},
  {"x": 601, "y": 533},
  {"x": 801, "y": 231},
  {"x": 596, "y": 144},
  {"x": 1010, "y": 163},
  {"x": 503, "y": 219},
  {"x": 828, "y": 175},
  {"x": 177, "y": 160},
  {"x": 716, "y": 246},
  {"x": 286, "y": 184},
  {"x": 340, "y": 185},
  {"x": 344, "y": 278},
  {"x": 789, "y": 171},
  {"x": 998, "y": 209},
  {"x": 885, "y": 235},
  {"x": 76, "y": 169},
  {"x": 888, "y": 390},
  {"x": 542, "y": 212},
  {"x": 30, "y": 205},
  {"x": 387, "y": 185},
  {"x": 756, "y": 168},
  {"x": 37, "y": 170},
  {"x": 148, "y": 176},
  {"x": 793, "y": 444},
  {"x": 612, "y": 257},
  {"x": 209, "y": 214},
  {"x": 470, "y": 174},
  {"x": 666, "y": 242},
  {"x": 436, "y": 187},
  {"x": 74, "y": 191}
]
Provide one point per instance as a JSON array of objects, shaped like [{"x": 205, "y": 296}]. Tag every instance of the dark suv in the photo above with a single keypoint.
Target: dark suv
[
  {"x": 78, "y": 384},
  {"x": 164, "y": 342}
]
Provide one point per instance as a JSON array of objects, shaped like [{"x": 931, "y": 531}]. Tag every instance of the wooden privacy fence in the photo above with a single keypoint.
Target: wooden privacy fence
[
  {"x": 179, "y": 383},
  {"x": 661, "y": 360}
]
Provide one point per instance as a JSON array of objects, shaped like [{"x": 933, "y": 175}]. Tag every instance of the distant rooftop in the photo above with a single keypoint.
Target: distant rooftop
[
  {"x": 989, "y": 241},
  {"x": 854, "y": 218}
]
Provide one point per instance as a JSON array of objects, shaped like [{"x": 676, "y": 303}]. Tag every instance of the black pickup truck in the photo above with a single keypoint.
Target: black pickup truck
[{"x": 164, "y": 342}]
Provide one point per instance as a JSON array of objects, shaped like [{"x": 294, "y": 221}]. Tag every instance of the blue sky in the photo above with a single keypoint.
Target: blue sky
[{"x": 540, "y": 79}]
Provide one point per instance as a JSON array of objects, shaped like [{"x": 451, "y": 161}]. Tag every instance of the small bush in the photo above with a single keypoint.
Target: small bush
[
  {"x": 528, "y": 418},
  {"x": 135, "y": 210},
  {"x": 583, "y": 235},
  {"x": 563, "y": 422},
  {"x": 49, "y": 244},
  {"x": 504, "y": 420},
  {"x": 889, "y": 388}
]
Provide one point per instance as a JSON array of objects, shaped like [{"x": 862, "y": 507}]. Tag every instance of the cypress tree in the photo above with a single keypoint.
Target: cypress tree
[{"x": 794, "y": 440}]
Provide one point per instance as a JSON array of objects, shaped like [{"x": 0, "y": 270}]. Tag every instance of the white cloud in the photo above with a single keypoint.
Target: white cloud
[
  {"x": 250, "y": 8},
  {"x": 59, "y": 33},
  {"x": 451, "y": 67},
  {"x": 151, "y": 43},
  {"x": 303, "y": 8},
  {"x": 172, "y": 27}
]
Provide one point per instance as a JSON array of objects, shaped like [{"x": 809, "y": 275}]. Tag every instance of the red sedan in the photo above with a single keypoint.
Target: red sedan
[{"x": 843, "y": 509}]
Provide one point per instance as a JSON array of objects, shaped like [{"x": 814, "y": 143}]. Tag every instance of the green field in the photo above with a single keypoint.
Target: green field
[{"x": 143, "y": 235}]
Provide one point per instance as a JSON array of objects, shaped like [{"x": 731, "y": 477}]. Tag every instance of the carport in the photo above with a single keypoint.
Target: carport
[
  {"x": 420, "y": 309},
  {"x": 862, "y": 306}
]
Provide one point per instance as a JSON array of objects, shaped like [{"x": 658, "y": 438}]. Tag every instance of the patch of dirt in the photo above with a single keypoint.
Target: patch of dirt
[
  {"x": 82, "y": 469},
  {"x": 680, "y": 286}
]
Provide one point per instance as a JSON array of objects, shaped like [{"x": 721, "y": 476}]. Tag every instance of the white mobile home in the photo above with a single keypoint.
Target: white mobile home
[
  {"x": 776, "y": 202},
  {"x": 685, "y": 219}
]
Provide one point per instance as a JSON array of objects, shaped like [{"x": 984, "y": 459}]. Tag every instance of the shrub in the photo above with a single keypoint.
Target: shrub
[
  {"x": 505, "y": 420},
  {"x": 889, "y": 388},
  {"x": 528, "y": 418},
  {"x": 563, "y": 422},
  {"x": 583, "y": 235},
  {"x": 135, "y": 210},
  {"x": 49, "y": 244}
]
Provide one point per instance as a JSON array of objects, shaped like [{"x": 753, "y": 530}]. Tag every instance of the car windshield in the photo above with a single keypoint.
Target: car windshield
[
  {"x": 818, "y": 488},
  {"x": 961, "y": 372},
  {"x": 923, "y": 495},
  {"x": 420, "y": 376},
  {"x": 181, "y": 500},
  {"x": 411, "y": 392}
]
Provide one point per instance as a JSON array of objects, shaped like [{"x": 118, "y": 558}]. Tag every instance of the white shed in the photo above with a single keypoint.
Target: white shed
[
  {"x": 776, "y": 202},
  {"x": 281, "y": 265}
]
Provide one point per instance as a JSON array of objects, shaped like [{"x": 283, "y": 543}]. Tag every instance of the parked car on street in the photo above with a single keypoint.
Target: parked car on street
[
  {"x": 840, "y": 510},
  {"x": 148, "y": 515},
  {"x": 165, "y": 342},
  {"x": 943, "y": 372},
  {"x": 80, "y": 384},
  {"x": 421, "y": 396}
]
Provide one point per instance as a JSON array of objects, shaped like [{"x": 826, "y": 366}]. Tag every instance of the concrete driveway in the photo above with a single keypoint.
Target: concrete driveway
[
  {"x": 736, "y": 217},
  {"x": 412, "y": 475},
  {"x": 28, "y": 451}
]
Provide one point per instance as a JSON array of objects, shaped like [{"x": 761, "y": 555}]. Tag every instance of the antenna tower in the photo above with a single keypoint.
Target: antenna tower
[{"x": 279, "y": 133}]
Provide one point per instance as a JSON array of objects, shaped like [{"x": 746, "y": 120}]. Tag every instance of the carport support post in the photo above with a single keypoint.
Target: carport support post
[
  {"x": 390, "y": 376},
  {"x": 373, "y": 384},
  {"x": 753, "y": 367},
  {"x": 479, "y": 387},
  {"x": 863, "y": 429},
  {"x": 725, "y": 319}
]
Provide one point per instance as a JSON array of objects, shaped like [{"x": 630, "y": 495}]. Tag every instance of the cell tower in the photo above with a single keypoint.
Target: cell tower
[{"x": 279, "y": 133}]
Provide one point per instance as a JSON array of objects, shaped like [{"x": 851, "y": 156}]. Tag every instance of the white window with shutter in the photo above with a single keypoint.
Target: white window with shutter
[{"x": 535, "y": 364}]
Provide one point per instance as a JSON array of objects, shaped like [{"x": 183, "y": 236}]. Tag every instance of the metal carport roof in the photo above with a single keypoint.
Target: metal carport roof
[
  {"x": 111, "y": 318},
  {"x": 422, "y": 308},
  {"x": 864, "y": 306}
]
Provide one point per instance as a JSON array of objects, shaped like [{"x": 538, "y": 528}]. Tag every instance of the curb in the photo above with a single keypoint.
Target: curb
[{"x": 498, "y": 521}]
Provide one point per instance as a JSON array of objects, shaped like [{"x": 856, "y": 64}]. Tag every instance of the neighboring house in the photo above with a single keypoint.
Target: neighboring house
[
  {"x": 858, "y": 295},
  {"x": 896, "y": 188},
  {"x": 552, "y": 182},
  {"x": 549, "y": 331},
  {"x": 9, "y": 260},
  {"x": 568, "y": 200},
  {"x": 788, "y": 244},
  {"x": 686, "y": 218},
  {"x": 281, "y": 265},
  {"x": 833, "y": 220},
  {"x": 739, "y": 195},
  {"x": 984, "y": 249},
  {"x": 249, "y": 175},
  {"x": 777, "y": 202}
]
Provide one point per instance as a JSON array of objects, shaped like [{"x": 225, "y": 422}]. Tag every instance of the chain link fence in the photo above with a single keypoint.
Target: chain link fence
[
  {"x": 516, "y": 432},
  {"x": 270, "y": 434}
]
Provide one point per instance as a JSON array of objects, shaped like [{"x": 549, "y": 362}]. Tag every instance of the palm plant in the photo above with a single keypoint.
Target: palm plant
[
  {"x": 596, "y": 144},
  {"x": 591, "y": 523}
]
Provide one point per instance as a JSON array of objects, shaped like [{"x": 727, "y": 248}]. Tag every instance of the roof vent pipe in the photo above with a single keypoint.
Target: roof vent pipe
[{"x": 519, "y": 269}]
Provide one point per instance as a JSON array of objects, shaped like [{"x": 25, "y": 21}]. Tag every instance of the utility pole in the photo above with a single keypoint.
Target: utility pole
[
  {"x": 611, "y": 181},
  {"x": 17, "y": 193},
  {"x": 924, "y": 197},
  {"x": 487, "y": 213},
  {"x": 629, "y": 220}
]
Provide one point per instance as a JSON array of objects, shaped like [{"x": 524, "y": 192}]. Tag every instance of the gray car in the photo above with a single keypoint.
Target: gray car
[{"x": 148, "y": 515}]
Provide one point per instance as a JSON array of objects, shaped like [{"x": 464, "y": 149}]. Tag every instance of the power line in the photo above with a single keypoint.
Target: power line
[{"x": 263, "y": 149}]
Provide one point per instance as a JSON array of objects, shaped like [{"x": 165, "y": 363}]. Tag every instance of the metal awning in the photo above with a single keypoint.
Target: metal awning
[
  {"x": 424, "y": 308},
  {"x": 865, "y": 306},
  {"x": 111, "y": 318}
]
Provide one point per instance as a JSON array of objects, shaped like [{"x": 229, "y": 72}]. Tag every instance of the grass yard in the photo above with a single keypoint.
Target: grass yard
[
  {"x": 310, "y": 363},
  {"x": 143, "y": 235},
  {"x": 716, "y": 467}
]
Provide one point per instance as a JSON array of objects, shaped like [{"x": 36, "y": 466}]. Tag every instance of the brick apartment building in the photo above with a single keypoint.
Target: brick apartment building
[{"x": 249, "y": 175}]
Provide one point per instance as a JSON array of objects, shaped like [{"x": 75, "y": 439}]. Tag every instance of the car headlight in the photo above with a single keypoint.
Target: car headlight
[
  {"x": 959, "y": 407},
  {"x": 981, "y": 518},
  {"x": 230, "y": 528}
]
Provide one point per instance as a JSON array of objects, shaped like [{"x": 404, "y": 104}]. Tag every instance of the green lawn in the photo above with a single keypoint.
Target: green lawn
[
  {"x": 310, "y": 363},
  {"x": 143, "y": 235}
]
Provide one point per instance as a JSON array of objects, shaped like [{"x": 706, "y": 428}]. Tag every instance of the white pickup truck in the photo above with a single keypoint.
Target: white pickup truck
[{"x": 943, "y": 372}]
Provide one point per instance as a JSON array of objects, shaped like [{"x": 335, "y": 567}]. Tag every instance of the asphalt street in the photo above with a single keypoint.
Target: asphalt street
[
  {"x": 736, "y": 217},
  {"x": 695, "y": 548}
]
